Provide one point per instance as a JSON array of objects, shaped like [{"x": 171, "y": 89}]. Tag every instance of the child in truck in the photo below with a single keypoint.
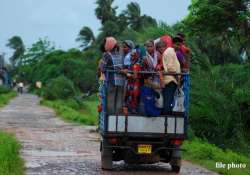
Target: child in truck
[{"x": 148, "y": 98}]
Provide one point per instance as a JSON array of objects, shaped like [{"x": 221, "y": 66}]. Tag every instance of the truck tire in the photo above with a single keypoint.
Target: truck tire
[
  {"x": 175, "y": 161},
  {"x": 175, "y": 164},
  {"x": 106, "y": 158},
  {"x": 175, "y": 168}
]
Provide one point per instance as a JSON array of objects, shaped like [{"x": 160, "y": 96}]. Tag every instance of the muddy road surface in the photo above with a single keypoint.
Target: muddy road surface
[{"x": 52, "y": 146}]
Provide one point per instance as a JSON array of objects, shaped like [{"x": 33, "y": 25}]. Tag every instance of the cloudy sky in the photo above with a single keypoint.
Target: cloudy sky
[{"x": 61, "y": 20}]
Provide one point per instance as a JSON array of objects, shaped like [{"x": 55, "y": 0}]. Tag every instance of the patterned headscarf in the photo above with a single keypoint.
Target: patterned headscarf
[{"x": 130, "y": 44}]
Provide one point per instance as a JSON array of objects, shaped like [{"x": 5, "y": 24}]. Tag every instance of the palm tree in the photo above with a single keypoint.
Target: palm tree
[
  {"x": 133, "y": 14},
  {"x": 104, "y": 10},
  {"x": 110, "y": 28},
  {"x": 136, "y": 21},
  {"x": 122, "y": 22},
  {"x": 16, "y": 43},
  {"x": 86, "y": 36},
  {"x": 148, "y": 21}
]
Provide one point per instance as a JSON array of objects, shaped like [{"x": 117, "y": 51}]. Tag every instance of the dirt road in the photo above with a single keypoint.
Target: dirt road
[{"x": 54, "y": 147}]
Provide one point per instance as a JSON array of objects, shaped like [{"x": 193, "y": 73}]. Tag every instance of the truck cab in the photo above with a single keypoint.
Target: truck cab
[{"x": 140, "y": 139}]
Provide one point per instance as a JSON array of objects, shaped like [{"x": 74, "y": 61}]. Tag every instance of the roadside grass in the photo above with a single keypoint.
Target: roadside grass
[
  {"x": 70, "y": 110},
  {"x": 206, "y": 155},
  {"x": 10, "y": 160},
  {"x": 5, "y": 98}
]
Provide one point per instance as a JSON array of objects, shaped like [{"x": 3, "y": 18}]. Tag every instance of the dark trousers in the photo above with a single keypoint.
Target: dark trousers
[{"x": 168, "y": 97}]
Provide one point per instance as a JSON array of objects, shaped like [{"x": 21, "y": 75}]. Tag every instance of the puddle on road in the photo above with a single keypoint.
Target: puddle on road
[{"x": 32, "y": 165}]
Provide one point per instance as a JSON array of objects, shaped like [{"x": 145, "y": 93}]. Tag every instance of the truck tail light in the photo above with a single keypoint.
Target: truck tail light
[
  {"x": 113, "y": 141},
  {"x": 176, "y": 142}
]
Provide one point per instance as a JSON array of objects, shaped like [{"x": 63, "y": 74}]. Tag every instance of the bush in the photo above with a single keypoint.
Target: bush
[
  {"x": 70, "y": 110},
  {"x": 10, "y": 160},
  {"x": 4, "y": 90},
  {"x": 207, "y": 155},
  {"x": 219, "y": 98},
  {"x": 59, "y": 88},
  {"x": 82, "y": 74},
  {"x": 72, "y": 103},
  {"x": 5, "y": 98}
]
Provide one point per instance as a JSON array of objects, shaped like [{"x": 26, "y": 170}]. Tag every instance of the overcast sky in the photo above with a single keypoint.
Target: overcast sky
[{"x": 61, "y": 20}]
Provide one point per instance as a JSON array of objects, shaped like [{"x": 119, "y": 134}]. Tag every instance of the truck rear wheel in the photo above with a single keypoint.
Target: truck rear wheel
[
  {"x": 175, "y": 168},
  {"x": 175, "y": 165},
  {"x": 106, "y": 158},
  {"x": 175, "y": 161}
]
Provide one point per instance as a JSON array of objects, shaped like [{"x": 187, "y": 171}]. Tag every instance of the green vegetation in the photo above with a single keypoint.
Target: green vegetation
[
  {"x": 10, "y": 161},
  {"x": 220, "y": 98},
  {"x": 83, "y": 112},
  {"x": 4, "y": 89},
  {"x": 59, "y": 87},
  {"x": 4, "y": 98},
  {"x": 5, "y": 95},
  {"x": 207, "y": 155}
]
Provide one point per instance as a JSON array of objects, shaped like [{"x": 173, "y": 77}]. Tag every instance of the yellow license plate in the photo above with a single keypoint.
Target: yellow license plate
[{"x": 144, "y": 149}]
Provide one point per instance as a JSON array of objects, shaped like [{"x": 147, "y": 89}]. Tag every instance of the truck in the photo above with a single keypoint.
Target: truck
[{"x": 140, "y": 139}]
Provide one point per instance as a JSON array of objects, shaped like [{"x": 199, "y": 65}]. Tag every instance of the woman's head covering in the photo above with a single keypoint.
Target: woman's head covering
[
  {"x": 129, "y": 43},
  {"x": 168, "y": 40},
  {"x": 110, "y": 43},
  {"x": 136, "y": 50}
]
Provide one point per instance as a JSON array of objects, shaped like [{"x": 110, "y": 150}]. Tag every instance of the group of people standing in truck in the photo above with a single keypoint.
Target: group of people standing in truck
[{"x": 134, "y": 78}]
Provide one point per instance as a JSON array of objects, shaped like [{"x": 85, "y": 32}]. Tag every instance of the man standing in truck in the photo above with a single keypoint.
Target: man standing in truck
[{"x": 171, "y": 65}]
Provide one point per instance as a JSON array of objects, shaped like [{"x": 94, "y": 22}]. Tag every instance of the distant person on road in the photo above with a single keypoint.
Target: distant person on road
[
  {"x": 20, "y": 87},
  {"x": 38, "y": 84}
]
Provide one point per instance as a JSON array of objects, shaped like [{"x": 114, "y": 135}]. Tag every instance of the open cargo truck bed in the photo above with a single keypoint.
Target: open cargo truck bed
[{"x": 143, "y": 139}]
